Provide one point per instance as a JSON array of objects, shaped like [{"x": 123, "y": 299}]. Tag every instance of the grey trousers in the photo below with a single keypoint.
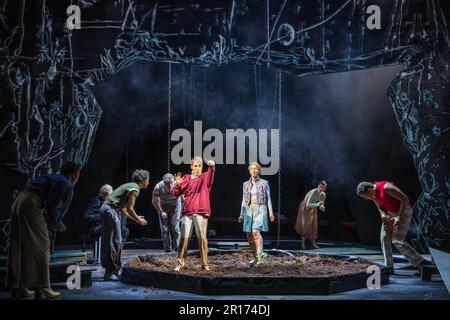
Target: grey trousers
[
  {"x": 396, "y": 236},
  {"x": 111, "y": 251},
  {"x": 170, "y": 227},
  {"x": 29, "y": 250}
]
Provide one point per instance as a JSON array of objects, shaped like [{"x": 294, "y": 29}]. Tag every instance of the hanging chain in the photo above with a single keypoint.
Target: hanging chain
[
  {"x": 306, "y": 160},
  {"x": 279, "y": 157},
  {"x": 183, "y": 97},
  {"x": 204, "y": 92},
  {"x": 192, "y": 100},
  {"x": 169, "y": 115},
  {"x": 257, "y": 77},
  {"x": 268, "y": 33},
  {"x": 275, "y": 98}
]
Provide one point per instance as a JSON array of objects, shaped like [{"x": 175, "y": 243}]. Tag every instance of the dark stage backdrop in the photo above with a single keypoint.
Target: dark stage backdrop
[{"x": 337, "y": 127}]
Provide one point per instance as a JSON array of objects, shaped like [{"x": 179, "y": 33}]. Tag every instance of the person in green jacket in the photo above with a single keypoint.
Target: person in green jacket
[{"x": 119, "y": 205}]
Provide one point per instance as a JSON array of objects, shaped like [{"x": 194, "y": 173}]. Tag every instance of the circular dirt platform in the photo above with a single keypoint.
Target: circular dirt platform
[{"x": 284, "y": 272}]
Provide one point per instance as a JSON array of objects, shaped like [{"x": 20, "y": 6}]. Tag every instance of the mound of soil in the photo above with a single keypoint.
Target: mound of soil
[{"x": 236, "y": 264}]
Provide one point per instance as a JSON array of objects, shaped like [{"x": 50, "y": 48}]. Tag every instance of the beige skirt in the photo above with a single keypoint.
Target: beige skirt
[
  {"x": 306, "y": 224},
  {"x": 29, "y": 248}
]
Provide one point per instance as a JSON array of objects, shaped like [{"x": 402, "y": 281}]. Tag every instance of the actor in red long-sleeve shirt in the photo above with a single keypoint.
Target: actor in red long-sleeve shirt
[
  {"x": 196, "y": 210},
  {"x": 396, "y": 213}
]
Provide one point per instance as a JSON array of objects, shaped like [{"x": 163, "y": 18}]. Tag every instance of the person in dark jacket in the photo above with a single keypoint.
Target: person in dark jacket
[
  {"x": 119, "y": 204},
  {"x": 36, "y": 210},
  {"x": 92, "y": 213}
]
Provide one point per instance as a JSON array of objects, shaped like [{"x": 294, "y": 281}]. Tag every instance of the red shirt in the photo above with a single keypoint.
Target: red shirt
[
  {"x": 196, "y": 192},
  {"x": 384, "y": 199}
]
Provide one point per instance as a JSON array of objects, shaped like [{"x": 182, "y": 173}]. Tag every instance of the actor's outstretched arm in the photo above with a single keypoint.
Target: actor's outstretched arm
[
  {"x": 309, "y": 204},
  {"x": 322, "y": 198},
  {"x": 383, "y": 212},
  {"x": 130, "y": 209},
  {"x": 269, "y": 201},
  {"x": 156, "y": 201},
  {"x": 125, "y": 213},
  {"x": 210, "y": 173},
  {"x": 181, "y": 183},
  {"x": 243, "y": 204},
  {"x": 395, "y": 192},
  {"x": 54, "y": 205}
]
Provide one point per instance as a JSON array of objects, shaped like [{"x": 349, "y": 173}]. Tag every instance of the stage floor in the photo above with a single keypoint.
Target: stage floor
[{"x": 405, "y": 284}]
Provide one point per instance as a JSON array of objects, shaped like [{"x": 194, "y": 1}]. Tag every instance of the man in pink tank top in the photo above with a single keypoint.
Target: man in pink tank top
[{"x": 395, "y": 211}]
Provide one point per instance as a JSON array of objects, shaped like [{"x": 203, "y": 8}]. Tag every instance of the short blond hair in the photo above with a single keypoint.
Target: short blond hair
[
  {"x": 254, "y": 163},
  {"x": 197, "y": 159}
]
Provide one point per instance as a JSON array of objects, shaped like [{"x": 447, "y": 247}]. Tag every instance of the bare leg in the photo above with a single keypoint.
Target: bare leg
[
  {"x": 256, "y": 238},
  {"x": 252, "y": 243}
]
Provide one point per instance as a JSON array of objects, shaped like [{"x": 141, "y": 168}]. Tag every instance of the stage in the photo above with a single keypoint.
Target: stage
[
  {"x": 125, "y": 125},
  {"x": 404, "y": 284}
]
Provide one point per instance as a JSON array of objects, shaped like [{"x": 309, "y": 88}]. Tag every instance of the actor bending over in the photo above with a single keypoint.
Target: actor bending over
[
  {"x": 169, "y": 212},
  {"x": 196, "y": 188},
  {"x": 92, "y": 214},
  {"x": 256, "y": 210},
  {"x": 119, "y": 204},
  {"x": 395, "y": 212},
  {"x": 36, "y": 210},
  {"x": 307, "y": 218}
]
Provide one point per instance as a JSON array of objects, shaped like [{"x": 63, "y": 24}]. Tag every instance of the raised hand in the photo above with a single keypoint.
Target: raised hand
[{"x": 178, "y": 178}]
